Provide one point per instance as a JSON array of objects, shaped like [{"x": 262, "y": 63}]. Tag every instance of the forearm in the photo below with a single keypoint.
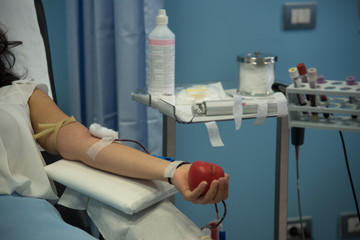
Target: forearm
[
  {"x": 75, "y": 140},
  {"x": 123, "y": 160}
]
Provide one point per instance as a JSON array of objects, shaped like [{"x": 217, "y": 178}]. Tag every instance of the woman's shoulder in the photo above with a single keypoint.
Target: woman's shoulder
[
  {"x": 21, "y": 90},
  {"x": 30, "y": 83}
]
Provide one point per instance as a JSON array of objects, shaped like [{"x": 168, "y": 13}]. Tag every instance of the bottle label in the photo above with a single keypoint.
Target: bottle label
[
  {"x": 161, "y": 67},
  {"x": 162, "y": 42}
]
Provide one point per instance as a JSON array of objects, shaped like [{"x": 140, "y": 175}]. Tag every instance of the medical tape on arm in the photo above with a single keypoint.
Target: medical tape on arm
[
  {"x": 53, "y": 127},
  {"x": 170, "y": 169},
  {"x": 94, "y": 150}
]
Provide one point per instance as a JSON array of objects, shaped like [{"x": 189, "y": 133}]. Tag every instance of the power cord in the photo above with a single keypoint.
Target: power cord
[
  {"x": 349, "y": 174},
  {"x": 298, "y": 194},
  {"x": 297, "y": 139}
]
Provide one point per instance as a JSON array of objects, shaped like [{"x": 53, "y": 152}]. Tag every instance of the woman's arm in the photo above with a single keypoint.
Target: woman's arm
[{"x": 74, "y": 140}]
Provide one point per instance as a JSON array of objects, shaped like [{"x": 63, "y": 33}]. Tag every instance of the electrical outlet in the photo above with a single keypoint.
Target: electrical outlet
[
  {"x": 349, "y": 225},
  {"x": 299, "y": 15},
  {"x": 294, "y": 228}
]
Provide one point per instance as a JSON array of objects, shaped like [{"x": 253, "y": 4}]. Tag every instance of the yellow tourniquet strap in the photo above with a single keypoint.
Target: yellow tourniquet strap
[{"x": 53, "y": 127}]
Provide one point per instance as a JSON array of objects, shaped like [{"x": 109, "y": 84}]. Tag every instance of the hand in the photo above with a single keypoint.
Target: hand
[{"x": 218, "y": 189}]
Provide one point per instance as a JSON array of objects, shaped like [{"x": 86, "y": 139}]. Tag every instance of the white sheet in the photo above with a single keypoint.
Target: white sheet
[{"x": 162, "y": 221}]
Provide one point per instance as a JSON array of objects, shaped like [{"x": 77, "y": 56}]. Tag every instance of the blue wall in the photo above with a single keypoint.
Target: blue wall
[{"x": 209, "y": 35}]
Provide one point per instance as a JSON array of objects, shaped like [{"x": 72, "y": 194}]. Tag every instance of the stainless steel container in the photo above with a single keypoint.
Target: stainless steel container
[{"x": 256, "y": 73}]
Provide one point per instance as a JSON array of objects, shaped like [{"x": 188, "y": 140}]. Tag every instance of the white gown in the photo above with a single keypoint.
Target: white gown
[
  {"x": 22, "y": 171},
  {"x": 21, "y": 163}
]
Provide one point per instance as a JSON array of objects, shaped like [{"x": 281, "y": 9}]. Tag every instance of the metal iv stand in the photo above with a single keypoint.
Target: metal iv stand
[{"x": 282, "y": 157}]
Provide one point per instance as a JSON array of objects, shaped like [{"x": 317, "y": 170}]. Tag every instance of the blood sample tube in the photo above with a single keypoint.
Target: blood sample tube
[
  {"x": 294, "y": 75},
  {"x": 350, "y": 81},
  {"x": 302, "y": 72},
  {"x": 312, "y": 84},
  {"x": 323, "y": 99}
]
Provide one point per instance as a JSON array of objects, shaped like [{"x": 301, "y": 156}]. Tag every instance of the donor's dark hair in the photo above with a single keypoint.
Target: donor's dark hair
[{"x": 7, "y": 60}]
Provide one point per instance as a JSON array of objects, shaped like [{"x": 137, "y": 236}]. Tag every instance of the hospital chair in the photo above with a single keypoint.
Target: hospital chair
[
  {"x": 30, "y": 24},
  {"x": 144, "y": 210}
]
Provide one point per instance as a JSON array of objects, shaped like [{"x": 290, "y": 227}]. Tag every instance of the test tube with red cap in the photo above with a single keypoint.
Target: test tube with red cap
[
  {"x": 350, "y": 81},
  {"x": 302, "y": 72},
  {"x": 303, "y": 75}
]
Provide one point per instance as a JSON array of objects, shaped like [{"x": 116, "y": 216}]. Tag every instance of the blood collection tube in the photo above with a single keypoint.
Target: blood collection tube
[
  {"x": 303, "y": 75},
  {"x": 323, "y": 99},
  {"x": 312, "y": 84},
  {"x": 350, "y": 81},
  {"x": 214, "y": 231},
  {"x": 302, "y": 72},
  {"x": 294, "y": 75}
]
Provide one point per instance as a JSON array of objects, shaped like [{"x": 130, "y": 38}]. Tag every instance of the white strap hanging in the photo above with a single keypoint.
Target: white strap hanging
[
  {"x": 261, "y": 113},
  {"x": 237, "y": 111},
  {"x": 214, "y": 134}
]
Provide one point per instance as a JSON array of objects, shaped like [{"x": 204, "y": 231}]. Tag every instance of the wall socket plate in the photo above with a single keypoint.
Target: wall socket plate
[
  {"x": 294, "y": 228},
  {"x": 299, "y": 15},
  {"x": 349, "y": 225}
]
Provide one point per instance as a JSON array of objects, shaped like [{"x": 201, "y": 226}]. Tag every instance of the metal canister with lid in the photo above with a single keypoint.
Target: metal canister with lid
[{"x": 256, "y": 73}]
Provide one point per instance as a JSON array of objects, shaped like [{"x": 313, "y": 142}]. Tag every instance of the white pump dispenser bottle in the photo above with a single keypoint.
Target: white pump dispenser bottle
[{"x": 161, "y": 71}]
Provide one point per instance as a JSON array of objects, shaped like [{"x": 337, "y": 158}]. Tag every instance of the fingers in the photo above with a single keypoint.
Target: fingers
[
  {"x": 217, "y": 192},
  {"x": 193, "y": 196}
]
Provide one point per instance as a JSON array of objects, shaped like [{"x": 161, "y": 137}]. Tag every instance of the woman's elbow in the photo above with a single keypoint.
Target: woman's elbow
[{"x": 73, "y": 141}]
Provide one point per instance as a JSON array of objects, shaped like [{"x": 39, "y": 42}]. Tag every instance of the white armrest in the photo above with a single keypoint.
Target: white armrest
[{"x": 128, "y": 195}]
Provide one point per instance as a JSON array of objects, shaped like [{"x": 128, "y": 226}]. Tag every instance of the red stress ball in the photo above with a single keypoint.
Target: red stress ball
[{"x": 204, "y": 171}]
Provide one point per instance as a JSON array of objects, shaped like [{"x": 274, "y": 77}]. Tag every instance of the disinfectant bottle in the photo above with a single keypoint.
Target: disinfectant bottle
[{"x": 161, "y": 71}]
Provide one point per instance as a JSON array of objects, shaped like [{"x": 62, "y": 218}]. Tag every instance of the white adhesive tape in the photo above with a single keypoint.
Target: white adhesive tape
[
  {"x": 237, "y": 111},
  {"x": 261, "y": 113},
  {"x": 94, "y": 150},
  {"x": 170, "y": 169},
  {"x": 281, "y": 104},
  {"x": 214, "y": 134}
]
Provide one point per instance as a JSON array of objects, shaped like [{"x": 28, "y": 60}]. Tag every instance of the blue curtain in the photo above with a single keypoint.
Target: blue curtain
[{"x": 107, "y": 51}]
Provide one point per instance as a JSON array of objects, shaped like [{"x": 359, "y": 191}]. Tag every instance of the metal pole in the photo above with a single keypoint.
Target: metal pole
[
  {"x": 169, "y": 136},
  {"x": 169, "y": 141},
  {"x": 281, "y": 178}
]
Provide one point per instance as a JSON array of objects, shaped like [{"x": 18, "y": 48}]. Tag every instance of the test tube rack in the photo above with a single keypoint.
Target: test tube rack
[{"x": 343, "y": 115}]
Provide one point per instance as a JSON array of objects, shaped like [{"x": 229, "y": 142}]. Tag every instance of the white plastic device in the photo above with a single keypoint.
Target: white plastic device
[{"x": 339, "y": 108}]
